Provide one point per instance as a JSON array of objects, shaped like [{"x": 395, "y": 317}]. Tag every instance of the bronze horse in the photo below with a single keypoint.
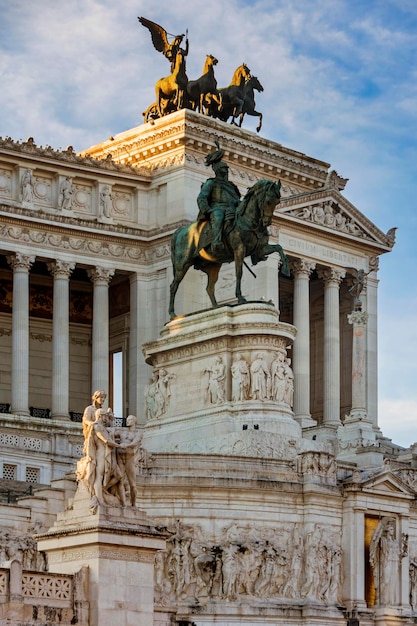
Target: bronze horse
[
  {"x": 246, "y": 235},
  {"x": 249, "y": 100},
  {"x": 198, "y": 89}
]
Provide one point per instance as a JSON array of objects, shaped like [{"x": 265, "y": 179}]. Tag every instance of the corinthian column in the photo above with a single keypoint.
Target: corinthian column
[
  {"x": 61, "y": 272},
  {"x": 331, "y": 394},
  {"x": 101, "y": 278},
  {"x": 21, "y": 265},
  {"x": 302, "y": 269}
]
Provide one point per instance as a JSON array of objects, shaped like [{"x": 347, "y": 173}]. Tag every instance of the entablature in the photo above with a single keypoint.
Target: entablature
[{"x": 174, "y": 138}]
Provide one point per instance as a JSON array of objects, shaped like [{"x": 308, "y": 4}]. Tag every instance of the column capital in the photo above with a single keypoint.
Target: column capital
[
  {"x": 302, "y": 267},
  {"x": 100, "y": 275},
  {"x": 19, "y": 261},
  {"x": 332, "y": 276},
  {"x": 60, "y": 269}
]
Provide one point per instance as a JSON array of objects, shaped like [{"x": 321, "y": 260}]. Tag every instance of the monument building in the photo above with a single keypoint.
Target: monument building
[{"x": 263, "y": 489}]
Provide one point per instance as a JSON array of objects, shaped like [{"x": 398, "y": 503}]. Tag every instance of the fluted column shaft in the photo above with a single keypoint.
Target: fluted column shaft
[
  {"x": 302, "y": 269},
  {"x": 101, "y": 278},
  {"x": 331, "y": 376},
  {"x": 372, "y": 344},
  {"x": 21, "y": 265},
  {"x": 61, "y": 272}
]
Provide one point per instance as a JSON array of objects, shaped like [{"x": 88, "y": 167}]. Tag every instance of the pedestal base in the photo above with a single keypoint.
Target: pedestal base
[
  {"x": 197, "y": 362},
  {"x": 118, "y": 545}
]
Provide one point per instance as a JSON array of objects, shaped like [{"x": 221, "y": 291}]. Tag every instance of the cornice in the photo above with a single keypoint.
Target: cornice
[
  {"x": 115, "y": 247},
  {"x": 93, "y": 228},
  {"x": 69, "y": 157}
]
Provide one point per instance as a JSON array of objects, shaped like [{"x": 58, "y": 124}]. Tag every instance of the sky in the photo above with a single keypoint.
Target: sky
[{"x": 340, "y": 84}]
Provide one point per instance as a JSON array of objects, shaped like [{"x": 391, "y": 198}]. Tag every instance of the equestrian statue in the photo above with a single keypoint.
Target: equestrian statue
[{"x": 227, "y": 229}]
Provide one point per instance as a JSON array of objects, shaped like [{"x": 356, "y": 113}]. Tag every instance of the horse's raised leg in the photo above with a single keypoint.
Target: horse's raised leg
[
  {"x": 258, "y": 128},
  {"x": 270, "y": 249},
  {"x": 212, "y": 272}
]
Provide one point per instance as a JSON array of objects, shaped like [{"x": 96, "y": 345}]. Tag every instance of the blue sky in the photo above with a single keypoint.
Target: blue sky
[{"x": 340, "y": 80}]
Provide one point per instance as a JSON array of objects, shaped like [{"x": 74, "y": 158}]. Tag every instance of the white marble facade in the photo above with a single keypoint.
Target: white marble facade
[{"x": 282, "y": 501}]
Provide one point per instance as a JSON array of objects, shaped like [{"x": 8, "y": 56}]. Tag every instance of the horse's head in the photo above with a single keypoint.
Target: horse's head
[
  {"x": 211, "y": 60},
  {"x": 260, "y": 201},
  {"x": 255, "y": 84},
  {"x": 269, "y": 200},
  {"x": 241, "y": 75}
]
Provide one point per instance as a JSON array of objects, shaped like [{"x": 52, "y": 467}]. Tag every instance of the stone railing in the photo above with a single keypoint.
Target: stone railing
[{"x": 40, "y": 597}]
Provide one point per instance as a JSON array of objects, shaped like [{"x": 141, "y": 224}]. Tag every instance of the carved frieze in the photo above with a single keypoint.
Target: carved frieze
[{"x": 243, "y": 563}]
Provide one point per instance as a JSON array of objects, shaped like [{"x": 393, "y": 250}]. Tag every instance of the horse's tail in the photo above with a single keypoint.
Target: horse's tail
[{"x": 174, "y": 239}]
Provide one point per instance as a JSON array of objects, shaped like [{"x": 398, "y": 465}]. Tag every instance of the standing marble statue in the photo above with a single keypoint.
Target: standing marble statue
[
  {"x": 384, "y": 557},
  {"x": 89, "y": 416},
  {"x": 278, "y": 378},
  {"x": 131, "y": 439},
  {"x": 240, "y": 379},
  {"x": 106, "y": 203},
  {"x": 289, "y": 382},
  {"x": 217, "y": 379},
  {"x": 65, "y": 194},
  {"x": 26, "y": 189},
  {"x": 99, "y": 469},
  {"x": 261, "y": 379}
]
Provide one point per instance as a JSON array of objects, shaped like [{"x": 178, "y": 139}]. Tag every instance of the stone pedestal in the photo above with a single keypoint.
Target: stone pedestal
[
  {"x": 118, "y": 545},
  {"x": 192, "y": 411}
]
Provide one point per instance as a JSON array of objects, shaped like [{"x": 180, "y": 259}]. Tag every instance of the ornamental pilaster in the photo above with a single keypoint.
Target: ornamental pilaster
[{"x": 358, "y": 319}]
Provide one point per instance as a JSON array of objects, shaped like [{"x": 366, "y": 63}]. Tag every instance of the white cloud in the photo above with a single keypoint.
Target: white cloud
[{"x": 398, "y": 421}]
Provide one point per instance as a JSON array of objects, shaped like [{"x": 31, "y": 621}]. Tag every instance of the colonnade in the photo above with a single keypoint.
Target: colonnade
[
  {"x": 61, "y": 272},
  {"x": 332, "y": 278},
  {"x": 101, "y": 277}
]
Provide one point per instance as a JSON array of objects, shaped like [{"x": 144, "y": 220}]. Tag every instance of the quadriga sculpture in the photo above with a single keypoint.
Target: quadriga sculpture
[{"x": 227, "y": 230}]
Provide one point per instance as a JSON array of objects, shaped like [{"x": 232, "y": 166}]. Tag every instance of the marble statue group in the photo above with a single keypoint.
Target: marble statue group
[
  {"x": 176, "y": 91},
  {"x": 108, "y": 468}
]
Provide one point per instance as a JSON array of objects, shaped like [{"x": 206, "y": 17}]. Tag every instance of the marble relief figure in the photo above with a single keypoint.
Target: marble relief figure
[
  {"x": 158, "y": 394},
  {"x": 250, "y": 562}
]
